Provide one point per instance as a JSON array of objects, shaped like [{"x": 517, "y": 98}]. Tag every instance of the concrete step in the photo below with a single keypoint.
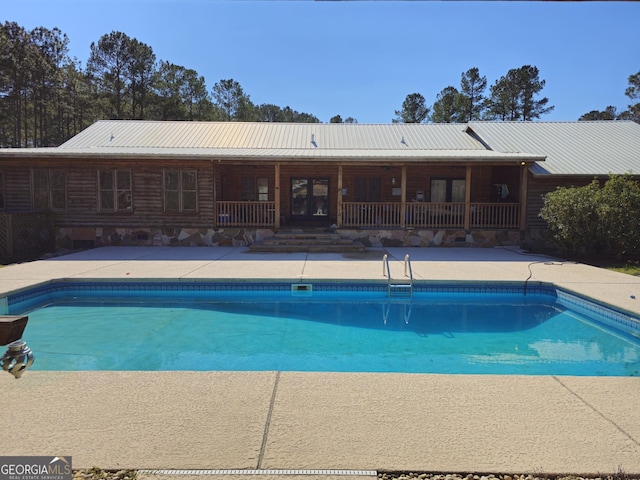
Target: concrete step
[
  {"x": 307, "y": 236},
  {"x": 307, "y": 241},
  {"x": 309, "y": 246}
]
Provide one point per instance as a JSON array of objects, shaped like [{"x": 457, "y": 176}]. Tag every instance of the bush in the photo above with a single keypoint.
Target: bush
[
  {"x": 618, "y": 211},
  {"x": 595, "y": 220}
]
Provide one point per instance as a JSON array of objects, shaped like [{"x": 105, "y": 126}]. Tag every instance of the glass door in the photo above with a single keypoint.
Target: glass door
[{"x": 309, "y": 198}]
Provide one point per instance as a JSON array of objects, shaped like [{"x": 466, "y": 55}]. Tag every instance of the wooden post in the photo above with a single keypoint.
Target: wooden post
[
  {"x": 276, "y": 196},
  {"x": 214, "y": 192},
  {"x": 339, "y": 200},
  {"x": 524, "y": 169},
  {"x": 403, "y": 197},
  {"x": 467, "y": 199}
]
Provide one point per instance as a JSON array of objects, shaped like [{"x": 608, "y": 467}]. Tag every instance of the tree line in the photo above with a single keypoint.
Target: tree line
[
  {"x": 46, "y": 97},
  {"x": 611, "y": 112},
  {"x": 512, "y": 97}
]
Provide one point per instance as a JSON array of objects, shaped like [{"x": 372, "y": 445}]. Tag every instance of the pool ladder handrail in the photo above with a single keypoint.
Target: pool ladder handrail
[
  {"x": 399, "y": 288},
  {"x": 407, "y": 307}
]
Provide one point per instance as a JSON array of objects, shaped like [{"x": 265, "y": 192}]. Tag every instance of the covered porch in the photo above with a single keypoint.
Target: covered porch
[{"x": 408, "y": 196}]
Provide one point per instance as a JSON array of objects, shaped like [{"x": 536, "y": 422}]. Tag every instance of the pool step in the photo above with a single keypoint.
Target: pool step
[
  {"x": 400, "y": 288},
  {"x": 307, "y": 242}
]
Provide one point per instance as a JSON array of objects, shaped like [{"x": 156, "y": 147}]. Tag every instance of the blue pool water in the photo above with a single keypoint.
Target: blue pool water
[{"x": 439, "y": 330}]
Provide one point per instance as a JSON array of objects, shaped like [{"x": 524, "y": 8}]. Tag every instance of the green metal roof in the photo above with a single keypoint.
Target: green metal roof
[
  {"x": 557, "y": 148},
  {"x": 571, "y": 148}
]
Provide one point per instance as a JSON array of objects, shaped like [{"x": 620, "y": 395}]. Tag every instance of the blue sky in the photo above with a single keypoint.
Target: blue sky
[{"x": 360, "y": 58}]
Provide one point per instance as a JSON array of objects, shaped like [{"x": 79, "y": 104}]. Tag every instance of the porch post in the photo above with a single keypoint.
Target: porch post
[
  {"x": 276, "y": 197},
  {"x": 403, "y": 197},
  {"x": 339, "y": 200},
  {"x": 523, "y": 196},
  {"x": 467, "y": 198},
  {"x": 214, "y": 192}
]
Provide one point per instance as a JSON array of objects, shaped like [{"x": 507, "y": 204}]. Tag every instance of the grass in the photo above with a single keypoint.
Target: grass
[{"x": 628, "y": 268}]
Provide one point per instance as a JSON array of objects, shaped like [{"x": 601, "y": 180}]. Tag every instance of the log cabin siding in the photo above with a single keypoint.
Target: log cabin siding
[
  {"x": 509, "y": 176},
  {"x": 228, "y": 180},
  {"x": 418, "y": 179},
  {"x": 481, "y": 183},
  {"x": 223, "y": 181},
  {"x": 538, "y": 187},
  {"x": 147, "y": 196},
  {"x": 17, "y": 184},
  {"x": 81, "y": 192}
]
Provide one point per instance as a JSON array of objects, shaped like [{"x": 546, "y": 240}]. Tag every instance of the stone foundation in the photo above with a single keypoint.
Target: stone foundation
[
  {"x": 72, "y": 238},
  {"x": 434, "y": 238}
]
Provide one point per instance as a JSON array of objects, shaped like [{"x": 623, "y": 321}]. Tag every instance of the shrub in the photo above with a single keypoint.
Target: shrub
[
  {"x": 570, "y": 214},
  {"x": 618, "y": 212},
  {"x": 594, "y": 219}
]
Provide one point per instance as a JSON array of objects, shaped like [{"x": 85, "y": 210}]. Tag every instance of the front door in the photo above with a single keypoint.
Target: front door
[{"x": 309, "y": 199}]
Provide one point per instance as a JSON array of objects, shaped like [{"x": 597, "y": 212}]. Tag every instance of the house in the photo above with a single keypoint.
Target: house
[{"x": 223, "y": 183}]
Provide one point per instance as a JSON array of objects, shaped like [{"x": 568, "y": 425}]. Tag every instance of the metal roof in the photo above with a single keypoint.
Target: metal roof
[
  {"x": 571, "y": 148},
  {"x": 236, "y": 141},
  {"x": 270, "y": 136},
  {"x": 566, "y": 148}
]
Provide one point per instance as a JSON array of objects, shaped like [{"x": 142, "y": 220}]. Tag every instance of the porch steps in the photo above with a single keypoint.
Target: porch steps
[{"x": 307, "y": 242}]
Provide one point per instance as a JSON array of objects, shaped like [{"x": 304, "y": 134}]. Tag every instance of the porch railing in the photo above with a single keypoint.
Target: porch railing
[
  {"x": 435, "y": 215},
  {"x": 431, "y": 215},
  {"x": 371, "y": 214},
  {"x": 384, "y": 215},
  {"x": 246, "y": 214},
  {"x": 494, "y": 215}
]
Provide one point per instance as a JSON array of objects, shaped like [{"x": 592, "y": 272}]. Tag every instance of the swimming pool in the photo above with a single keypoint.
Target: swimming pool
[{"x": 494, "y": 328}]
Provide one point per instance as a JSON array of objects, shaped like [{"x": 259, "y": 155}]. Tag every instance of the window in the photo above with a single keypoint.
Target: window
[
  {"x": 2, "y": 192},
  {"x": 115, "y": 191},
  {"x": 368, "y": 189},
  {"x": 255, "y": 189},
  {"x": 180, "y": 191},
  {"x": 49, "y": 189},
  {"x": 263, "y": 189},
  {"x": 448, "y": 190}
]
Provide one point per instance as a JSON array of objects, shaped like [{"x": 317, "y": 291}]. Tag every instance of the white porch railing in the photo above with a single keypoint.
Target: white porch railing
[
  {"x": 384, "y": 215},
  {"x": 435, "y": 215},
  {"x": 431, "y": 215},
  {"x": 494, "y": 215},
  {"x": 246, "y": 214},
  {"x": 371, "y": 214}
]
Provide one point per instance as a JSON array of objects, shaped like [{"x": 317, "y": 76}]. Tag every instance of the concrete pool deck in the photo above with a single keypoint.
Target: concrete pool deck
[{"x": 327, "y": 422}]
